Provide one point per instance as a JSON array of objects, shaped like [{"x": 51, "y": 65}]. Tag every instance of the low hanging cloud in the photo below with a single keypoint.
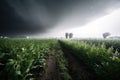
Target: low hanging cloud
[{"x": 24, "y": 17}]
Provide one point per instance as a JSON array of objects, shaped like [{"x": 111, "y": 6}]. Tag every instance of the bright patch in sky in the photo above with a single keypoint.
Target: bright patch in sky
[
  {"x": 95, "y": 29},
  {"x": 109, "y": 23}
]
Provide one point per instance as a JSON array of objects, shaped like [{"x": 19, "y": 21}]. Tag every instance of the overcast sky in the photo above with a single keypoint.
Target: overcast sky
[{"x": 51, "y": 18}]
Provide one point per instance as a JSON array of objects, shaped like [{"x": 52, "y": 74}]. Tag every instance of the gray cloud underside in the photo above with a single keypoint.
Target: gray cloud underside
[{"x": 38, "y": 16}]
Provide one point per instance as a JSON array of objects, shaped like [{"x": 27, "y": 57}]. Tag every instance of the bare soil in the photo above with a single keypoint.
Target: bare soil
[{"x": 52, "y": 70}]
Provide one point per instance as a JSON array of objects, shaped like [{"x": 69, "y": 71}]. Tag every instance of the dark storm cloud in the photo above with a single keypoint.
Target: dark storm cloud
[{"x": 19, "y": 17}]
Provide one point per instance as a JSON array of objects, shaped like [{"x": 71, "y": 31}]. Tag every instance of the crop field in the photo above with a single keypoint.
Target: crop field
[{"x": 52, "y": 59}]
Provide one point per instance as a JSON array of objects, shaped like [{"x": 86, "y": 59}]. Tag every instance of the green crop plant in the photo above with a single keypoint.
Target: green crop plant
[
  {"x": 24, "y": 59},
  {"x": 99, "y": 59}
]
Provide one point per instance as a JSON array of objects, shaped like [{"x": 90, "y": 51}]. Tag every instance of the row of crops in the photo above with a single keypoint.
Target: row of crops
[
  {"x": 101, "y": 56},
  {"x": 25, "y": 59},
  {"x": 107, "y": 42},
  {"x": 20, "y": 59}
]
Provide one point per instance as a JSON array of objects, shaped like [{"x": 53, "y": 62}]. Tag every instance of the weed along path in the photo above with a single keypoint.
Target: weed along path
[{"x": 77, "y": 69}]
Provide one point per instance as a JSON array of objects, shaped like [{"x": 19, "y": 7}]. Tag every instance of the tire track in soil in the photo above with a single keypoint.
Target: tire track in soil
[
  {"x": 52, "y": 71},
  {"x": 77, "y": 69}
]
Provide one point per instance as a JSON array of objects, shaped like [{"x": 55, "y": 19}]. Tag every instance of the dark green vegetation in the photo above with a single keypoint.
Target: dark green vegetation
[
  {"x": 23, "y": 59},
  {"x": 51, "y": 59}
]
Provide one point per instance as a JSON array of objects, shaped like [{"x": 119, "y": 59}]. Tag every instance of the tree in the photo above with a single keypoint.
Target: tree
[
  {"x": 106, "y": 34},
  {"x": 66, "y": 35},
  {"x": 70, "y": 35}
]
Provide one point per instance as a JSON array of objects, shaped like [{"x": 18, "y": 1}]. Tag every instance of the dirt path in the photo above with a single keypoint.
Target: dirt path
[
  {"x": 77, "y": 69},
  {"x": 52, "y": 71}
]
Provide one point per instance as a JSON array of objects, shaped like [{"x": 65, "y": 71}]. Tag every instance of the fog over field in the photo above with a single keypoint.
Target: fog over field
[{"x": 53, "y": 18}]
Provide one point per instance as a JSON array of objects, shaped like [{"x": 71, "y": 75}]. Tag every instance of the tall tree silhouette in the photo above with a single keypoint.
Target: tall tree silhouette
[
  {"x": 106, "y": 34},
  {"x": 70, "y": 35},
  {"x": 66, "y": 35}
]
